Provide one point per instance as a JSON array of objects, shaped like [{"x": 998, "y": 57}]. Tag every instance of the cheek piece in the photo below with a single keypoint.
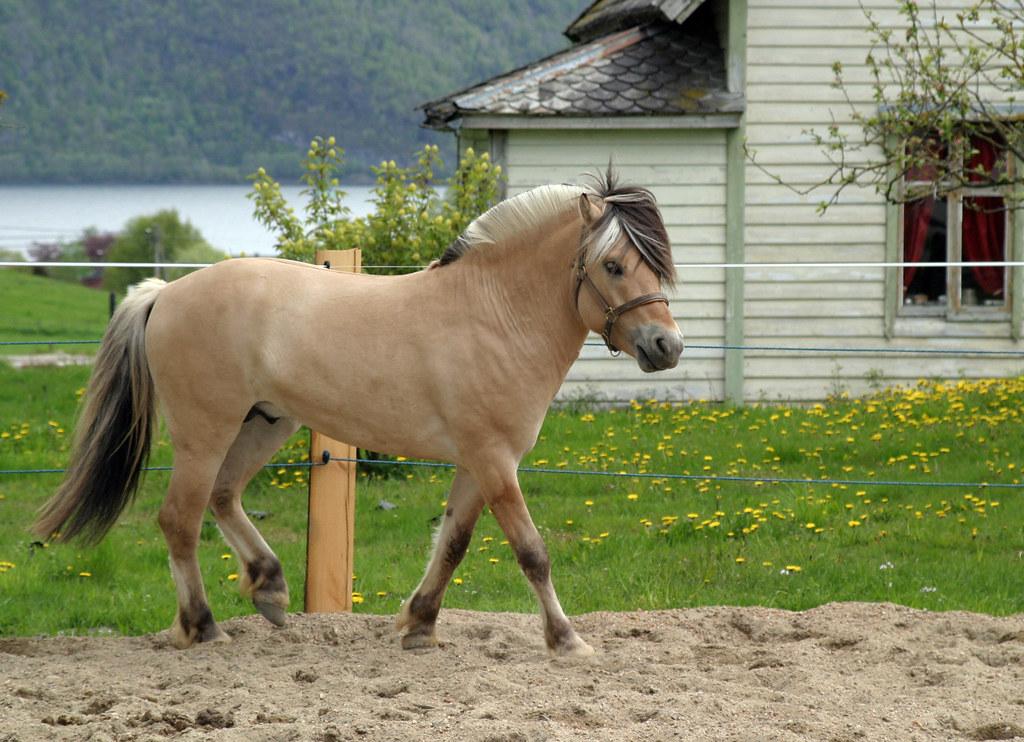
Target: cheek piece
[{"x": 611, "y": 314}]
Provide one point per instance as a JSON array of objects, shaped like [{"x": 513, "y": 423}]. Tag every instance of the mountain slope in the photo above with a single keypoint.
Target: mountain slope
[{"x": 141, "y": 90}]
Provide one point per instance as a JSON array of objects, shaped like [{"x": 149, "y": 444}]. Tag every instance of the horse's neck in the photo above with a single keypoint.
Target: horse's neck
[{"x": 528, "y": 288}]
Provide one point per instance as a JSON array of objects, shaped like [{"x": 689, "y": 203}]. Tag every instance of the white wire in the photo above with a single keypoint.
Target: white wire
[{"x": 685, "y": 266}]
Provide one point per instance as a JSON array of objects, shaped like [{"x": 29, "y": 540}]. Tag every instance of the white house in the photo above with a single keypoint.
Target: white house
[{"x": 671, "y": 90}]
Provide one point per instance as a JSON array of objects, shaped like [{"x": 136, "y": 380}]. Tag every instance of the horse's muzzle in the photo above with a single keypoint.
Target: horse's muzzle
[{"x": 657, "y": 348}]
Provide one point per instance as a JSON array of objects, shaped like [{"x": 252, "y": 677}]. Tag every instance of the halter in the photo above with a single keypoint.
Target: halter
[{"x": 611, "y": 314}]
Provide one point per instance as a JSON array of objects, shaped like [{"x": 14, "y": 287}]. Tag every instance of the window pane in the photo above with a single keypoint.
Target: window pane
[
  {"x": 984, "y": 239},
  {"x": 924, "y": 241}
]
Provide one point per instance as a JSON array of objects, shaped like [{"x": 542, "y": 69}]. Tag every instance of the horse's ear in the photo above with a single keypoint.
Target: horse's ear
[{"x": 591, "y": 208}]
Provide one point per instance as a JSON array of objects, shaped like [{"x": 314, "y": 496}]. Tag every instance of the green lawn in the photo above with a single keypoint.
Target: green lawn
[
  {"x": 36, "y": 308},
  {"x": 618, "y": 543}
]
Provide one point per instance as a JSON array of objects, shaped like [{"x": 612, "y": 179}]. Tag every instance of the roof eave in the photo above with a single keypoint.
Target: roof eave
[
  {"x": 468, "y": 120},
  {"x": 583, "y": 29}
]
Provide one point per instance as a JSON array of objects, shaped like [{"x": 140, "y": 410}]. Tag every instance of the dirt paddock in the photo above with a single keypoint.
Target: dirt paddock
[{"x": 841, "y": 672}]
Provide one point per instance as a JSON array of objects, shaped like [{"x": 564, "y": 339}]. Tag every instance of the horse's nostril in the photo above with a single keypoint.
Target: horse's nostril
[{"x": 662, "y": 345}]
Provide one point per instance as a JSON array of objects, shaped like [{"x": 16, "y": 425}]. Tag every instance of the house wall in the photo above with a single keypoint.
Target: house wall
[
  {"x": 792, "y": 45},
  {"x": 686, "y": 171}
]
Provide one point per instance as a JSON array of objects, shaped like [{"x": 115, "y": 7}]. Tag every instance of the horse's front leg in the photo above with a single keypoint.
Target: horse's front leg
[
  {"x": 419, "y": 613},
  {"x": 505, "y": 499}
]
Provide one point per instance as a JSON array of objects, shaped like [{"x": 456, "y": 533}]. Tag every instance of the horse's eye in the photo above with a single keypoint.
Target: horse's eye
[{"x": 613, "y": 268}]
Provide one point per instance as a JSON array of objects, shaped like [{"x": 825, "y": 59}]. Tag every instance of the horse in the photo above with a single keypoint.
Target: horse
[{"x": 458, "y": 362}]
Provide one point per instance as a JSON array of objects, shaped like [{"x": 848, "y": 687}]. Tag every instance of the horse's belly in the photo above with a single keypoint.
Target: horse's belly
[{"x": 379, "y": 424}]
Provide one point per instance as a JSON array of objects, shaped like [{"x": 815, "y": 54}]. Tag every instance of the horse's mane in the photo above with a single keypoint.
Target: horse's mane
[{"x": 629, "y": 210}]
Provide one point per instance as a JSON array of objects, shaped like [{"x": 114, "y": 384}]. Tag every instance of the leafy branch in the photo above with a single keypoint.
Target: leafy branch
[{"x": 939, "y": 88}]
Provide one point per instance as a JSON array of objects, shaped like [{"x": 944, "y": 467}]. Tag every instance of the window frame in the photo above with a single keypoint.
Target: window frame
[
  {"x": 899, "y": 320},
  {"x": 954, "y": 309}
]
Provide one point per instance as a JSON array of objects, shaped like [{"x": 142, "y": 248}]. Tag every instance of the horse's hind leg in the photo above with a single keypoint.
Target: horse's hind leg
[
  {"x": 262, "y": 579},
  {"x": 181, "y": 519},
  {"x": 419, "y": 614}
]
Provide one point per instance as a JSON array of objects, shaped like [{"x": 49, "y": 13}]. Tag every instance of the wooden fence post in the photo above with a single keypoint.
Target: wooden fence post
[{"x": 332, "y": 500}]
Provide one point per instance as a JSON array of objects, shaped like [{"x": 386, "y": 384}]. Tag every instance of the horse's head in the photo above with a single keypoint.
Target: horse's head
[{"x": 624, "y": 261}]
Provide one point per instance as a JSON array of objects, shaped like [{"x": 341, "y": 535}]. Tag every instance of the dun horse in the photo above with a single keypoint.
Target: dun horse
[{"x": 457, "y": 363}]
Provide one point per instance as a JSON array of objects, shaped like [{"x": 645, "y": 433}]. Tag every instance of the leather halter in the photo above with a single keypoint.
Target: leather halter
[{"x": 611, "y": 314}]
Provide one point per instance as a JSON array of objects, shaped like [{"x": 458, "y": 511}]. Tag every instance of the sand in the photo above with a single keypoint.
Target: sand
[{"x": 840, "y": 672}]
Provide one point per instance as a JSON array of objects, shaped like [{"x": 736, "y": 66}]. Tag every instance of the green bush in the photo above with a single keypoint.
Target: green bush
[{"x": 411, "y": 222}]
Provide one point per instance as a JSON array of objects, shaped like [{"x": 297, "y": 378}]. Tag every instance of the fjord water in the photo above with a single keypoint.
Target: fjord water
[{"x": 222, "y": 213}]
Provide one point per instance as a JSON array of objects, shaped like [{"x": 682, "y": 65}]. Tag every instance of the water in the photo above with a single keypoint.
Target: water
[{"x": 221, "y": 213}]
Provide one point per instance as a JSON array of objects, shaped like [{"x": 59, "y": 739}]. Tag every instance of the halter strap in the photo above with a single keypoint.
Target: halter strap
[{"x": 611, "y": 314}]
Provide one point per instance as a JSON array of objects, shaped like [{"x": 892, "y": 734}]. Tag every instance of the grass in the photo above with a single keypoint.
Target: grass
[
  {"x": 616, "y": 543},
  {"x": 37, "y": 308}
]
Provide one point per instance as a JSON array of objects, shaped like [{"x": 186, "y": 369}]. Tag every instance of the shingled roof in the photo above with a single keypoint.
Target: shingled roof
[{"x": 653, "y": 68}]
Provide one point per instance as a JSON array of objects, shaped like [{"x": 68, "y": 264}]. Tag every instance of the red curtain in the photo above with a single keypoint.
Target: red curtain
[
  {"x": 984, "y": 238},
  {"x": 916, "y": 217},
  {"x": 984, "y": 222}
]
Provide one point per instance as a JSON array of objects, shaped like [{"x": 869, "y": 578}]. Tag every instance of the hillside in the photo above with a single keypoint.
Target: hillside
[
  {"x": 36, "y": 308},
  {"x": 139, "y": 90}
]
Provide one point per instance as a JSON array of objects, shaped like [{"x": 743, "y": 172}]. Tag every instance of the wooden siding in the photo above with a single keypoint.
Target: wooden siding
[
  {"x": 792, "y": 45},
  {"x": 686, "y": 171}
]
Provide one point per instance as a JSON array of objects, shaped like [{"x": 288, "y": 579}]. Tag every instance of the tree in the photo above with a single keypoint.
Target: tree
[
  {"x": 411, "y": 222},
  {"x": 162, "y": 235},
  {"x": 944, "y": 90}
]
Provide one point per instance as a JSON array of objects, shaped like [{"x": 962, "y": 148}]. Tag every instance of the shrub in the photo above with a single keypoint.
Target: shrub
[{"x": 411, "y": 222}]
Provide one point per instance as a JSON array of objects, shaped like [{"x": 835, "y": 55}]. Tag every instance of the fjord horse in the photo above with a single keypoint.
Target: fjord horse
[{"x": 458, "y": 363}]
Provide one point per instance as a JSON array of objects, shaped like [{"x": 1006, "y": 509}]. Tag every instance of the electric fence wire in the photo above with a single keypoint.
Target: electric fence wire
[{"x": 660, "y": 476}]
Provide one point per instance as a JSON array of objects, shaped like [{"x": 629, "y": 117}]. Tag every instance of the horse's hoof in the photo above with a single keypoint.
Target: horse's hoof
[
  {"x": 205, "y": 630},
  {"x": 272, "y": 612},
  {"x": 420, "y": 640},
  {"x": 215, "y": 635},
  {"x": 574, "y": 648}
]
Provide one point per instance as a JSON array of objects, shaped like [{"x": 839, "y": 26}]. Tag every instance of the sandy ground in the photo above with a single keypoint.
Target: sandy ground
[{"x": 841, "y": 672}]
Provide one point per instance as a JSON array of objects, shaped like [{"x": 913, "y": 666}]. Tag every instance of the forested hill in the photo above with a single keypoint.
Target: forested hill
[{"x": 208, "y": 90}]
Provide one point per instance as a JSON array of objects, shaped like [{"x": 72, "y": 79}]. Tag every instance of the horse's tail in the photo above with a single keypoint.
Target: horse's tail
[{"x": 114, "y": 429}]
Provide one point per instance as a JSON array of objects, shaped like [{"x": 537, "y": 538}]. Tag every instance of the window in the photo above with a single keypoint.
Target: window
[{"x": 966, "y": 225}]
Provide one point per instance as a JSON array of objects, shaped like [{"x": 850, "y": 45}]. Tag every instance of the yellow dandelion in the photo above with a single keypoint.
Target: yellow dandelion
[{"x": 232, "y": 577}]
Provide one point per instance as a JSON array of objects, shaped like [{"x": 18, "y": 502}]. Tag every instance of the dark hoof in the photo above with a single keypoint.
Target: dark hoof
[
  {"x": 420, "y": 640},
  {"x": 272, "y": 612}
]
